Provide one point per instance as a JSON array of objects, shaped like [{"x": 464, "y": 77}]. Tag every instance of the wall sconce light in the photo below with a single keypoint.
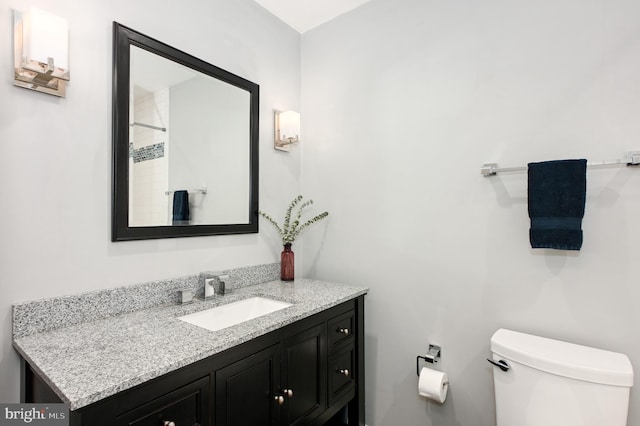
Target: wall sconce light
[
  {"x": 41, "y": 51},
  {"x": 287, "y": 129}
]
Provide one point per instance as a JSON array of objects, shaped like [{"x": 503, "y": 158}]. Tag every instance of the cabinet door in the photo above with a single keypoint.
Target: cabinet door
[
  {"x": 304, "y": 375},
  {"x": 187, "y": 406},
  {"x": 247, "y": 390}
]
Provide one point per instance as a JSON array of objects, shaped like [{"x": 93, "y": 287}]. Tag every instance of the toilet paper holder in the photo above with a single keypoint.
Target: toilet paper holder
[{"x": 432, "y": 357}]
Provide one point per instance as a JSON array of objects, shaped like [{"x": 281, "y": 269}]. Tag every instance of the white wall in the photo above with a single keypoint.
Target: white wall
[
  {"x": 55, "y": 154},
  {"x": 403, "y": 101},
  {"x": 217, "y": 128}
]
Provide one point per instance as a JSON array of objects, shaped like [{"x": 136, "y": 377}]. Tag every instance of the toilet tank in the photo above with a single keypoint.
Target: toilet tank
[{"x": 555, "y": 383}]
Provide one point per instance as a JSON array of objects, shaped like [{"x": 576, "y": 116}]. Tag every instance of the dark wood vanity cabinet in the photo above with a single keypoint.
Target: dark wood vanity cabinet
[{"x": 310, "y": 372}]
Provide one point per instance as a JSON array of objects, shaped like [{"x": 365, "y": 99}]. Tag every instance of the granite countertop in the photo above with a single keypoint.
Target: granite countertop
[{"x": 89, "y": 361}]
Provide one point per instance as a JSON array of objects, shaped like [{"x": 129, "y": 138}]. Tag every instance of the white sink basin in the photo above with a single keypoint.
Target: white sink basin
[{"x": 234, "y": 313}]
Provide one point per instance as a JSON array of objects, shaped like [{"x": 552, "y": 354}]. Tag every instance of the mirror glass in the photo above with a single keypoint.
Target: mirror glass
[{"x": 185, "y": 144}]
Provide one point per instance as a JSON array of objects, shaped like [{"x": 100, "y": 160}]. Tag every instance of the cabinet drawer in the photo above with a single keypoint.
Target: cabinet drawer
[
  {"x": 341, "y": 373},
  {"x": 341, "y": 329},
  {"x": 187, "y": 406}
]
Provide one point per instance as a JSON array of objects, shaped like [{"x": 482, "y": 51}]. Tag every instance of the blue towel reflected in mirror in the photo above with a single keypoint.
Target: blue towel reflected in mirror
[{"x": 180, "y": 208}]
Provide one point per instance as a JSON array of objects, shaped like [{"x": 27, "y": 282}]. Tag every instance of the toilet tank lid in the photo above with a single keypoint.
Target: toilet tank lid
[{"x": 563, "y": 359}]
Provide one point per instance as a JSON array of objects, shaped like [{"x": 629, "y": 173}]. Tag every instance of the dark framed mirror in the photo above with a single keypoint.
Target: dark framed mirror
[{"x": 185, "y": 143}]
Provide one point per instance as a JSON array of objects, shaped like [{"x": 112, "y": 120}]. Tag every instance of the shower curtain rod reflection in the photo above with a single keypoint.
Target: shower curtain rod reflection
[
  {"x": 148, "y": 126},
  {"x": 632, "y": 158}
]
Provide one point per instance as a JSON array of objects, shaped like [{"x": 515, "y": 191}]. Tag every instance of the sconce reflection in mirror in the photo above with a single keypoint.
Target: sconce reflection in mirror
[
  {"x": 287, "y": 127},
  {"x": 41, "y": 51}
]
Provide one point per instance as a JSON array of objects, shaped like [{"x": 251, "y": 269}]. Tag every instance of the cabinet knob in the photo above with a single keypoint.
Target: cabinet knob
[
  {"x": 344, "y": 372},
  {"x": 169, "y": 423},
  {"x": 343, "y": 331},
  {"x": 288, "y": 392},
  {"x": 279, "y": 399}
]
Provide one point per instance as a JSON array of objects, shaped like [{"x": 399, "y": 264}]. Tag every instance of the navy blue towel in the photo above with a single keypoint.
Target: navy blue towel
[
  {"x": 557, "y": 192},
  {"x": 181, "y": 208}
]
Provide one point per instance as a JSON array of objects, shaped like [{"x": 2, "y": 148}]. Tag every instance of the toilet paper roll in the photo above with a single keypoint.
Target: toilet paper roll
[{"x": 433, "y": 384}]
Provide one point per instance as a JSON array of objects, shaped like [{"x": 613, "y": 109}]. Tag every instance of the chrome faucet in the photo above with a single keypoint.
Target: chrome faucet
[{"x": 214, "y": 283}]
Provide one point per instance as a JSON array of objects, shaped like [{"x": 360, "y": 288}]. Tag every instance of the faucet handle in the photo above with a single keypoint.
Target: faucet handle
[{"x": 185, "y": 296}]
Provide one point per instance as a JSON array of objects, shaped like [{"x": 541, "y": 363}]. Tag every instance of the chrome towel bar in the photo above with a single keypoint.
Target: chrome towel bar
[{"x": 632, "y": 158}]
